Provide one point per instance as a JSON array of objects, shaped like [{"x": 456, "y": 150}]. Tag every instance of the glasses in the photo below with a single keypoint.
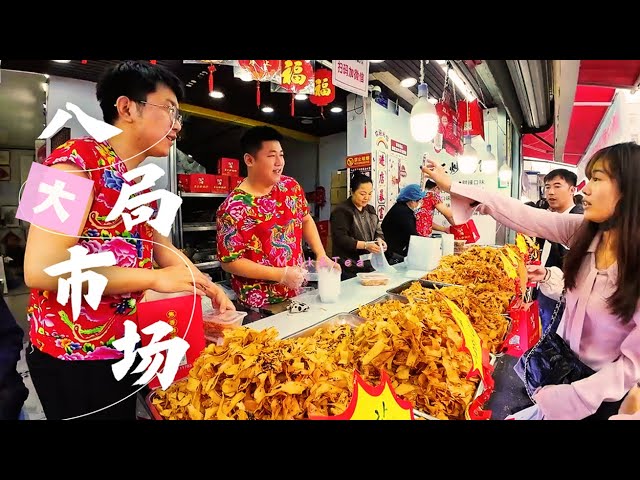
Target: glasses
[{"x": 173, "y": 111}]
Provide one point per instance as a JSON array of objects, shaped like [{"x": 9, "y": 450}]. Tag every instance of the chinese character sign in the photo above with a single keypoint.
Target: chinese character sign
[
  {"x": 54, "y": 199},
  {"x": 170, "y": 202},
  {"x": 152, "y": 359},
  {"x": 352, "y": 76},
  {"x": 296, "y": 76},
  {"x": 80, "y": 261}
]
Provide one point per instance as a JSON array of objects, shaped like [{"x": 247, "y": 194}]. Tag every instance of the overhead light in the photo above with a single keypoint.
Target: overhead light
[
  {"x": 376, "y": 61},
  {"x": 216, "y": 94},
  {"x": 336, "y": 109},
  {"x": 468, "y": 161},
  {"x": 469, "y": 95},
  {"x": 489, "y": 163},
  {"x": 504, "y": 174},
  {"x": 424, "y": 118},
  {"x": 245, "y": 76},
  {"x": 408, "y": 82},
  {"x": 433, "y": 100},
  {"x": 306, "y": 121},
  {"x": 62, "y": 61},
  {"x": 267, "y": 109},
  {"x": 301, "y": 96}
]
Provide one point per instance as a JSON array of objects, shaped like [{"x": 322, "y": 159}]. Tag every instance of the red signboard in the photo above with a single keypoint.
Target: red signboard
[
  {"x": 359, "y": 161},
  {"x": 398, "y": 147}
]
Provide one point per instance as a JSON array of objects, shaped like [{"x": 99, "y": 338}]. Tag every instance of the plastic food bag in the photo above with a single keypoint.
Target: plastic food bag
[{"x": 379, "y": 261}]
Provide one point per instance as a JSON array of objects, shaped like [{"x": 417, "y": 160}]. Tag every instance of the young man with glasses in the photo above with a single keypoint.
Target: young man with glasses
[{"x": 71, "y": 362}]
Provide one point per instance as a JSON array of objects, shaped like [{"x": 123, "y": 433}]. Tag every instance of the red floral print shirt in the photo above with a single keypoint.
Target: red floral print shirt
[
  {"x": 424, "y": 215},
  {"x": 90, "y": 337},
  {"x": 266, "y": 230}
]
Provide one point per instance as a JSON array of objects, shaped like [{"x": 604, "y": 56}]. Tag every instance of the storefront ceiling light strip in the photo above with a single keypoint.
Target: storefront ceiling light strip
[{"x": 248, "y": 122}]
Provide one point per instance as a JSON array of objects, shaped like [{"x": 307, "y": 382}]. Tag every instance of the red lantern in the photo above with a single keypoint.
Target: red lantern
[
  {"x": 324, "y": 91},
  {"x": 260, "y": 71},
  {"x": 296, "y": 76}
]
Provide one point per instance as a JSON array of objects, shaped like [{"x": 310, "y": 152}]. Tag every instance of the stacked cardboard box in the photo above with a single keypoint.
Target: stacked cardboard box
[{"x": 338, "y": 186}]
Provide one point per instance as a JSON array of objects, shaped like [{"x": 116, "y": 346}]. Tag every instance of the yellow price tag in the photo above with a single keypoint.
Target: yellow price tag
[
  {"x": 513, "y": 255},
  {"x": 471, "y": 338},
  {"x": 522, "y": 243},
  {"x": 508, "y": 266},
  {"x": 374, "y": 403}
]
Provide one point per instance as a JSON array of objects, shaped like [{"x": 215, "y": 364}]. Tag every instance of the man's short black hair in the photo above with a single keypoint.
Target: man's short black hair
[
  {"x": 134, "y": 80},
  {"x": 252, "y": 140},
  {"x": 567, "y": 175}
]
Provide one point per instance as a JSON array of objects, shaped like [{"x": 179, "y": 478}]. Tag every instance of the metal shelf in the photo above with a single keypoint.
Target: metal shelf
[
  {"x": 216, "y": 195},
  {"x": 198, "y": 227},
  {"x": 206, "y": 265}
]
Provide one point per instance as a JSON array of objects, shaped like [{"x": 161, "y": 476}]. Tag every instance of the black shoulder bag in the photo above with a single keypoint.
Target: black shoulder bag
[{"x": 552, "y": 362}]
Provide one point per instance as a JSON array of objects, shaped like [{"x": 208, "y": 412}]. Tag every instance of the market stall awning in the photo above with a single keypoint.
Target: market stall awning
[{"x": 597, "y": 82}]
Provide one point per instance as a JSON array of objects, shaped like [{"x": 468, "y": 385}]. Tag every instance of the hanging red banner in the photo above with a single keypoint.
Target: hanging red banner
[{"x": 474, "y": 124}]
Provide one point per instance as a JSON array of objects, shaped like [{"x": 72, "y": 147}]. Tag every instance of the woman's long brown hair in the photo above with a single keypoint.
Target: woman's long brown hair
[{"x": 622, "y": 164}]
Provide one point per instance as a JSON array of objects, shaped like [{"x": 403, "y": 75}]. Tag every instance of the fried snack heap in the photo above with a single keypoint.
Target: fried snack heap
[
  {"x": 482, "y": 305},
  {"x": 254, "y": 375},
  {"x": 419, "y": 346}
]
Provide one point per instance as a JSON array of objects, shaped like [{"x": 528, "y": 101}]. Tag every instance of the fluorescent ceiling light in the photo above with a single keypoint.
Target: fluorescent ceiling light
[
  {"x": 216, "y": 94},
  {"x": 301, "y": 96},
  {"x": 376, "y": 61},
  {"x": 62, "y": 61},
  {"x": 267, "y": 109},
  {"x": 336, "y": 109}
]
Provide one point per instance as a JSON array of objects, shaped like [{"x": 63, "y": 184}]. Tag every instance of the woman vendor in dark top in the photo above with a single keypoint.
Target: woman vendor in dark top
[{"x": 355, "y": 229}]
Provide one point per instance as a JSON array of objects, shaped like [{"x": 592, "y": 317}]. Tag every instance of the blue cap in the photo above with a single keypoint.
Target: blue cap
[{"x": 410, "y": 192}]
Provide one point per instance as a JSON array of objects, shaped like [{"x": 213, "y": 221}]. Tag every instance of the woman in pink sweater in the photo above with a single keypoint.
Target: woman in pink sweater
[{"x": 601, "y": 318}]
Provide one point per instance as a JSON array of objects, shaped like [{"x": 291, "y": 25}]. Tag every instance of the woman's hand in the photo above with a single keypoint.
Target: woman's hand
[
  {"x": 372, "y": 247},
  {"x": 436, "y": 173},
  {"x": 179, "y": 278},
  {"x": 219, "y": 298},
  {"x": 536, "y": 273}
]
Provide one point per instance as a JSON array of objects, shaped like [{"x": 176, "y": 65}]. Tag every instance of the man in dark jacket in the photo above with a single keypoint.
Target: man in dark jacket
[{"x": 13, "y": 392}]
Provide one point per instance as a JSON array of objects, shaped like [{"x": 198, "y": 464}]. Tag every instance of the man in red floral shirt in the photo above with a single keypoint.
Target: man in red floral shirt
[{"x": 261, "y": 225}]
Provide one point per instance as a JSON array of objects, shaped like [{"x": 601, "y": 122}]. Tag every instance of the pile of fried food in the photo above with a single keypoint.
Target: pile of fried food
[
  {"x": 255, "y": 375},
  {"x": 482, "y": 268},
  {"x": 482, "y": 303}
]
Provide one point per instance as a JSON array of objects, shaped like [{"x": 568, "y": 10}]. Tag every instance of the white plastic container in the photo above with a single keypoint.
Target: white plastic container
[
  {"x": 372, "y": 279},
  {"x": 424, "y": 253},
  {"x": 329, "y": 284}
]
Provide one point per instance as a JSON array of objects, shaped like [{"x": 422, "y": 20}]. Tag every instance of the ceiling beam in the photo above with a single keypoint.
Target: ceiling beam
[
  {"x": 565, "y": 83},
  {"x": 247, "y": 122},
  {"x": 496, "y": 77}
]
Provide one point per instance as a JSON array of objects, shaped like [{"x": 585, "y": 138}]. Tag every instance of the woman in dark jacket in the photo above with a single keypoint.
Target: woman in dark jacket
[
  {"x": 355, "y": 229},
  {"x": 400, "y": 221}
]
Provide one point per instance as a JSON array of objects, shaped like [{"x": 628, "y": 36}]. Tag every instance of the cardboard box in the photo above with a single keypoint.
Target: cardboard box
[
  {"x": 176, "y": 310},
  {"x": 339, "y": 179},
  {"x": 234, "y": 181},
  {"x": 228, "y": 166},
  {"x": 219, "y": 183},
  {"x": 195, "y": 182},
  {"x": 338, "y": 195}
]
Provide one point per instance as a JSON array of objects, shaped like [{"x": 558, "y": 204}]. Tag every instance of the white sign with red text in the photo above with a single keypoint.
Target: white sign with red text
[{"x": 352, "y": 76}]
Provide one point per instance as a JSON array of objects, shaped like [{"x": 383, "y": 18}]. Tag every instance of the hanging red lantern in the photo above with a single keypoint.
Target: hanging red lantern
[
  {"x": 296, "y": 76},
  {"x": 84, "y": 62},
  {"x": 470, "y": 118},
  {"x": 324, "y": 91},
  {"x": 153, "y": 62},
  {"x": 260, "y": 71}
]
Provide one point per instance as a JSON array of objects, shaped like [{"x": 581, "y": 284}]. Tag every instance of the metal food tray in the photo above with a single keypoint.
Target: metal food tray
[
  {"x": 335, "y": 320},
  {"x": 384, "y": 298},
  {"x": 425, "y": 283}
]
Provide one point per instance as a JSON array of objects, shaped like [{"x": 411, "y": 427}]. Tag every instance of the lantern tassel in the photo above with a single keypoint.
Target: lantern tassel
[
  {"x": 293, "y": 98},
  {"x": 258, "y": 93},
  {"x": 322, "y": 111},
  {"x": 212, "y": 69}
]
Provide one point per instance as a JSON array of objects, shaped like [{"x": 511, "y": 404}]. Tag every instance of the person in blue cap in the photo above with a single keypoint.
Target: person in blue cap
[{"x": 400, "y": 221}]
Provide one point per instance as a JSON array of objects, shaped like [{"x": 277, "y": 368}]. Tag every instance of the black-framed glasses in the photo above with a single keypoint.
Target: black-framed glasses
[{"x": 174, "y": 113}]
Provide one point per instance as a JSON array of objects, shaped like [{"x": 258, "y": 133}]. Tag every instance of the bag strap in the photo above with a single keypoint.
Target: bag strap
[{"x": 554, "y": 320}]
